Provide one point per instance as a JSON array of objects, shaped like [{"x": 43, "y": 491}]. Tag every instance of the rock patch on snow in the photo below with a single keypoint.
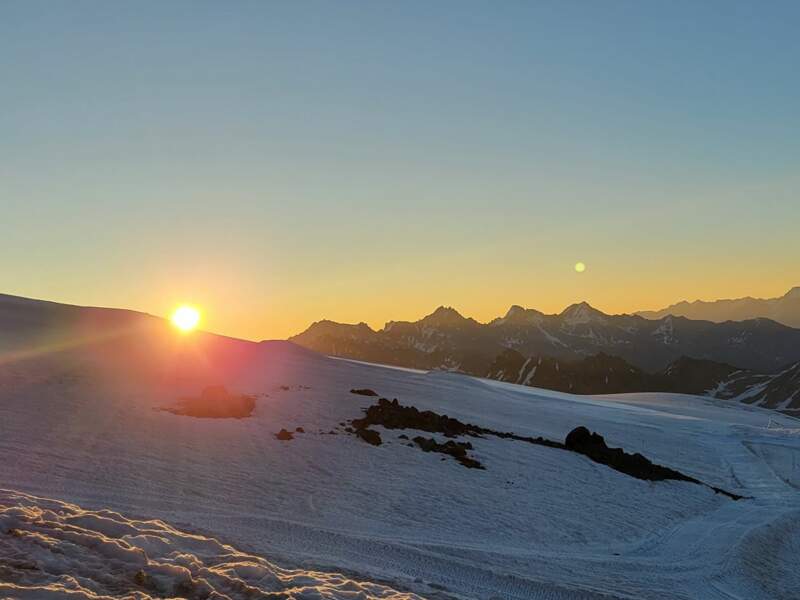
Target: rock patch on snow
[
  {"x": 594, "y": 446},
  {"x": 393, "y": 415},
  {"x": 364, "y": 392},
  {"x": 457, "y": 450},
  {"x": 215, "y": 402},
  {"x": 284, "y": 435}
]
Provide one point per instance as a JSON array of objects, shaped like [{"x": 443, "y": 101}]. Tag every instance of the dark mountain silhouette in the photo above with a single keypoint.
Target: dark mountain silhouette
[
  {"x": 785, "y": 309},
  {"x": 447, "y": 340},
  {"x": 585, "y": 351}
]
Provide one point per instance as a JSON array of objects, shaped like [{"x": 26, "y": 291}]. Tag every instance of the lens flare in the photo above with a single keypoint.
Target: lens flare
[{"x": 185, "y": 317}]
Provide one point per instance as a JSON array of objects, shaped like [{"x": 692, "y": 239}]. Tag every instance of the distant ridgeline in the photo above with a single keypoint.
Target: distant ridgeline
[
  {"x": 585, "y": 351},
  {"x": 784, "y": 309}
]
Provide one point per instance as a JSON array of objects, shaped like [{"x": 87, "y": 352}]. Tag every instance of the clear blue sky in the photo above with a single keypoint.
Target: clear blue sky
[{"x": 280, "y": 162}]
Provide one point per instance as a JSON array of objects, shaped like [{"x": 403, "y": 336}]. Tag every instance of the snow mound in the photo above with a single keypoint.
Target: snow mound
[{"x": 51, "y": 549}]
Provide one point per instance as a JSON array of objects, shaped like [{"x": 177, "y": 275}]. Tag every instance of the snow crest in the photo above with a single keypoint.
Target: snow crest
[{"x": 51, "y": 549}]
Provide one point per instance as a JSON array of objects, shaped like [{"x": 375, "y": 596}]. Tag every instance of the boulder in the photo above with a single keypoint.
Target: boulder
[
  {"x": 370, "y": 436},
  {"x": 364, "y": 392}
]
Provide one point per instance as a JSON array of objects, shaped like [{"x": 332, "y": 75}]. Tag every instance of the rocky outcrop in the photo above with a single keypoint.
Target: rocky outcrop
[
  {"x": 393, "y": 415},
  {"x": 594, "y": 446}
]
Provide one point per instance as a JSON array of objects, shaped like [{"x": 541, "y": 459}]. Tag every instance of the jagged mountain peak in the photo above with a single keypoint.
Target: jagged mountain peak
[
  {"x": 582, "y": 312},
  {"x": 326, "y": 326},
  {"x": 444, "y": 315},
  {"x": 519, "y": 314},
  {"x": 514, "y": 311}
]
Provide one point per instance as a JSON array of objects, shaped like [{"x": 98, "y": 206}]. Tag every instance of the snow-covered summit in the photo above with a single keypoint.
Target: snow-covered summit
[{"x": 581, "y": 314}]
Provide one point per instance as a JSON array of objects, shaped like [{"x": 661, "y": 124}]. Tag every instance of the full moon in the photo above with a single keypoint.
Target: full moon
[
  {"x": 185, "y": 318},
  {"x": 580, "y": 267}
]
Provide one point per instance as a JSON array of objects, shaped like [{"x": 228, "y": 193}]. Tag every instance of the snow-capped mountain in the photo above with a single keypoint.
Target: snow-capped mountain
[
  {"x": 107, "y": 493},
  {"x": 604, "y": 374},
  {"x": 785, "y": 309},
  {"x": 779, "y": 390},
  {"x": 446, "y": 340}
]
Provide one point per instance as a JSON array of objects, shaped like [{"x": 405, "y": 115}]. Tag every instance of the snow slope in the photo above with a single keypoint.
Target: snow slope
[{"x": 537, "y": 523}]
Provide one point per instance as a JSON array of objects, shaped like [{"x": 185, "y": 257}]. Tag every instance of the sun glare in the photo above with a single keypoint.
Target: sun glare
[
  {"x": 185, "y": 318},
  {"x": 580, "y": 267}
]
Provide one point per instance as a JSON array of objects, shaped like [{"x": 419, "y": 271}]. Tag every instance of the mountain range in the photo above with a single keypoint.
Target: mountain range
[
  {"x": 583, "y": 350},
  {"x": 785, "y": 309}
]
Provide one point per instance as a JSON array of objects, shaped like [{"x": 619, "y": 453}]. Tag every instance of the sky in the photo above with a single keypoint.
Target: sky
[{"x": 276, "y": 163}]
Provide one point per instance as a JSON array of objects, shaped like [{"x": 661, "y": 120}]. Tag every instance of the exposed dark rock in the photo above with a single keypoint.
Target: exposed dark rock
[
  {"x": 593, "y": 445},
  {"x": 402, "y": 436},
  {"x": 364, "y": 392},
  {"x": 284, "y": 435},
  {"x": 392, "y": 415},
  {"x": 370, "y": 436},
  {"x": 215, "y": 402},
  {"x": 300, "y": 430},
  {"x": 457, "y": 450}
]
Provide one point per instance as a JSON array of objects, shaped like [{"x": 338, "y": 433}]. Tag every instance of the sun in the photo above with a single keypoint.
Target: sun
[
  {"x": 580, "y": 267},
  {"x": 185, "y": 317}
]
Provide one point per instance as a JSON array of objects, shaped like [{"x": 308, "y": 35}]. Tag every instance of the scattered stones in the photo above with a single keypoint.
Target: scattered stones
[
  {"x": 364, "y": 392},
  {"x": 284, "y": 435},
  {"x": 457, "y": 450}
]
